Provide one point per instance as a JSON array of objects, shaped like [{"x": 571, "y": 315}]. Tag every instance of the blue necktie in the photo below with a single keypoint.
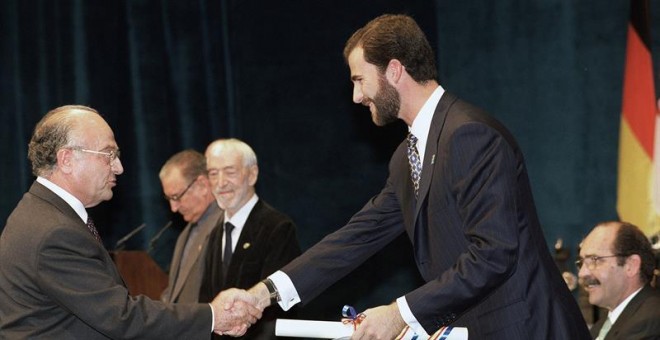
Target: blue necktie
[{"x": 414, "y": 161}]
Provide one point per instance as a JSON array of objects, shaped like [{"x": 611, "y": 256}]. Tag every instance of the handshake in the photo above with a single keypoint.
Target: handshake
[{"x": 235, "y": 310}]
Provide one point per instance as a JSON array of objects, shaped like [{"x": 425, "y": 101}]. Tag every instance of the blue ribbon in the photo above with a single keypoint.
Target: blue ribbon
[
  {"x": 350, "y": 316},
  {"x": 445, "y": 334},
  {"x": 349, "y": 312}
]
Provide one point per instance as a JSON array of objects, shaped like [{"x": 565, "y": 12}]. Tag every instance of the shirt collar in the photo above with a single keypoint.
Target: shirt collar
[
  {"x": 422, "y": 123},
  {"x": 239, "y": 218},
  {"x": 71, "y": 200}
]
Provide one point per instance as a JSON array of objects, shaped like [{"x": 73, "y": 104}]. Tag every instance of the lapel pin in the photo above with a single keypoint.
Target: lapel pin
[
  {"x": 246, "y": 245},
  {"x": 433, "y": 159}
]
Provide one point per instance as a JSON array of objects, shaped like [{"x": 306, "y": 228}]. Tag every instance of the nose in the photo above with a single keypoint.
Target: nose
[
  {"x": 221, "y": 180},
  {"x": 116, "y": 166},
  {"x": 358, "y": 96},
  {"x": 174, "y": 206},
  {"x": 583, "y": 271}
]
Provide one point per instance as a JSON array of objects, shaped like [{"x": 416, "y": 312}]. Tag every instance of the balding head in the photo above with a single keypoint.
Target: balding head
[{"x": 52, "y": 133}]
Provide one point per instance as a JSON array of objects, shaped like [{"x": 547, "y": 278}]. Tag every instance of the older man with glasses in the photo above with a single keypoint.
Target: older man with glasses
[
  {"x": 186, "y": 187},
  {"x": 616, "y": 266}
]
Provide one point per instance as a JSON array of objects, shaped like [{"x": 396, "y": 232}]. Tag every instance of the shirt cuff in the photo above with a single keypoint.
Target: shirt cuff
[
  {"x": 409, "y": 318},
  {"x": 212, "y": 318},
  {"x": 288, "y": 293}
]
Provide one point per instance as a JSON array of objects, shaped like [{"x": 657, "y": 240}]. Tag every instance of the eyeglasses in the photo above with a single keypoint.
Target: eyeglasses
[
  {"x": 592, "y": 261},
  {"x": 178, "y": 197},
  {"x": 110, "y": 155}
]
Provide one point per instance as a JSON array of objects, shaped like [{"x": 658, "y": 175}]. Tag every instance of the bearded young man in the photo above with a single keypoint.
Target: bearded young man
[{"x": 458, "y": 187}]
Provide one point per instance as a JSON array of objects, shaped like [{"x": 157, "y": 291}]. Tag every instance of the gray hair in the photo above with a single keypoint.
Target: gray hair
[
  {"x": 52, "y": 133},
  {"x": 233, "y": 144}
]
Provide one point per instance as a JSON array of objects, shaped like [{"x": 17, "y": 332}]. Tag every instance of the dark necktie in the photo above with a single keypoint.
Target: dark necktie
[
  {"x": 414, "y": 161},
  {"x": 226, "y": 258},
  {"x": 92, "y": 229}
]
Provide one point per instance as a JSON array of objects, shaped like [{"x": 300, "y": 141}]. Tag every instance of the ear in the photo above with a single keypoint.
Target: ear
[
  {"x": 65, "y": 160},
  {"x": 633, "y": 265},
  {"x": 394, "y": 71},
  {"x": 254, "y": 173},
  {"x": 206, "y": 184}
]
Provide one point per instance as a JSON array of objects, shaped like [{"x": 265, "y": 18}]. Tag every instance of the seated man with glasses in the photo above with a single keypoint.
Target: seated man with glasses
[
  {"x": 188, "y": 191},
  {"x": 616, "y": 266}
]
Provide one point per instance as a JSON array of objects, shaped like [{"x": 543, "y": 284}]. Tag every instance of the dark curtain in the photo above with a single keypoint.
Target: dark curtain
[{"x": 169, "y": 75}]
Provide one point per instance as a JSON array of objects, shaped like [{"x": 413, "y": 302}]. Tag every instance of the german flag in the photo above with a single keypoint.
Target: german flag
[{"x": 638, "y": 186}]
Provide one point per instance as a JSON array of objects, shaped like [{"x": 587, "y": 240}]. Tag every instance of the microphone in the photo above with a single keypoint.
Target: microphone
[
  {"x": 122, "y": 242},
  {"x": 153, "y": 240}
]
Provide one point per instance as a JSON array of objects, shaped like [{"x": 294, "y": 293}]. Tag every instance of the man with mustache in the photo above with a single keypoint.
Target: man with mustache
[
  {"x": 616, "y": 266},
  {"x": 252, "y": 239},
  {"x": 57, "y": 281},
  {"x": 458, "y": 187}
]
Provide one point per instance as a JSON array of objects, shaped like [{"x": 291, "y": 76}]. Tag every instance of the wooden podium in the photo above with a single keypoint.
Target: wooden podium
[{"x": 141, "y": 274}]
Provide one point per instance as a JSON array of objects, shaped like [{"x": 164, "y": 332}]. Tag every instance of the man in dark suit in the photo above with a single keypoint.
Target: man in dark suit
[
  {"x": 261, "y": 239},
  {"x": 57, "y": 281},
  {"x": 459, "y": 188},
  {"x": 616, "y": 266},
  {"x": 187, "y": 188}
]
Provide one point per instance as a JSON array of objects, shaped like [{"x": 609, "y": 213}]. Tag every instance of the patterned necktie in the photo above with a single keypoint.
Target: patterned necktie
[
  {"x": 226, "y": 258},
  {"x": 92, "y": 229},
  {"x": 414, "y": 161},
  {"x": 603, "y": 330}
]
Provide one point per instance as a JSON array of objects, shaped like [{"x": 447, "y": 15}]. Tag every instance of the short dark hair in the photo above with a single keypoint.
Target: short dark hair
[
  {"x": 190, "y": 162},
  {"x": 398, "y": 37},
  {"x": 630, "y": 240},
  {"x": 51, "y": 134}
]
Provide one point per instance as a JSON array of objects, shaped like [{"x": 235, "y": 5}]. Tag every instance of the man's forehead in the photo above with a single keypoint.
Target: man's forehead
[
  {"x": 225, "y": 158},
  {"x": 173, "y": 175},
  {"x": 599, "y": 239}
]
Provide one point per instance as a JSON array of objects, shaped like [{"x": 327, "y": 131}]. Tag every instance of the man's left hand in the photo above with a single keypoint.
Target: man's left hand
[{"x": 382, "y": 322}]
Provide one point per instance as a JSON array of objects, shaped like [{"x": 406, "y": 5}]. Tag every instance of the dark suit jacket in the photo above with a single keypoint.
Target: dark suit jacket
[
  {"x": 476, "y": 236},
  {"x": 268, "y": 241},
  {"x": 58, "y": 282},
  {"x": 639, "y": 320},
  {"x": 188, "y": 289}
]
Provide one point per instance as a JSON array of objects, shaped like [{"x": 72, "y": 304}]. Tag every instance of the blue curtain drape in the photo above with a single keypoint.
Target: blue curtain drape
[{"x": 169, "y": 75}]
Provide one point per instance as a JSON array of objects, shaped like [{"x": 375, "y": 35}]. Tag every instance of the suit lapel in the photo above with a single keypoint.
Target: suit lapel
[
  {"x": 245, "y": 242},
  {"x": 437, "y": 123},
  {"x": 46, "y": 194},
  {"x": 212, "y": 219},
  {"x": 629, "y": 312},
  {"x": 176, "y": 263}
]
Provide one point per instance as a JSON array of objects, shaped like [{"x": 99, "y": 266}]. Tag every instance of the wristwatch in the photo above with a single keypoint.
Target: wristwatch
[{"x": 272, "y": 291}]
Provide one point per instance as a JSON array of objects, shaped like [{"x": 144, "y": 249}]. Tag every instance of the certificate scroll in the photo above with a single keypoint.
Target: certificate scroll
[
  {"x": 312, "y": 329},
  {"x": 337, "y": 330}
]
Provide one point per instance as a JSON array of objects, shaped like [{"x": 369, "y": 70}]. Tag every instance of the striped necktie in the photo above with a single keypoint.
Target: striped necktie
[{"x": 92, "y": 229}]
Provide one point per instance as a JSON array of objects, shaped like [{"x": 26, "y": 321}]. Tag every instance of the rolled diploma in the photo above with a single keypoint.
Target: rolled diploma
[{"x": 312, "y": 329}]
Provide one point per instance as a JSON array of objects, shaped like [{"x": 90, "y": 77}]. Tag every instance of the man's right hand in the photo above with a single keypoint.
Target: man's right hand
[{"x": 235, "y": 311}]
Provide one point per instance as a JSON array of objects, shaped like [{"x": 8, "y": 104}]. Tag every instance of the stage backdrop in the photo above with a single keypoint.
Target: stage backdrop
[{"x": 169, "y": 75}]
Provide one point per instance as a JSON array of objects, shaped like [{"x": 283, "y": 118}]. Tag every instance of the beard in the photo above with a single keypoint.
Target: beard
[{"x": 387, "y": 103}]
